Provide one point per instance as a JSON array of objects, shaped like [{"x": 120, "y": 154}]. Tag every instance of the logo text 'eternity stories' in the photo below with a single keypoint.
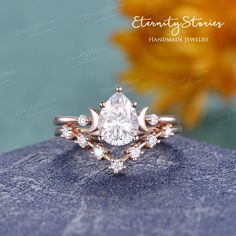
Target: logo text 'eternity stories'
[{"x": 176, "y": 24}]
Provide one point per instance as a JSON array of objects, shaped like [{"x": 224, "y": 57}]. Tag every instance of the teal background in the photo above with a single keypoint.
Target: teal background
[{"x": 56, "y": 58}]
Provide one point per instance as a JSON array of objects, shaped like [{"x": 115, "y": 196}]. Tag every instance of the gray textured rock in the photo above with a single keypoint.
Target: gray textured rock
[{"x": 181, "y": 187}]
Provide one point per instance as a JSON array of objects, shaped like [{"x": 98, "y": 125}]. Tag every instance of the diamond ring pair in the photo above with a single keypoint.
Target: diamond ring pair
[{"x": 117, "y": 124}]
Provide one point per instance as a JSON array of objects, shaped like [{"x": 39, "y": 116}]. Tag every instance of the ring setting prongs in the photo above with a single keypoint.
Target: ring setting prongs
[{"x": 118, "y": 123}]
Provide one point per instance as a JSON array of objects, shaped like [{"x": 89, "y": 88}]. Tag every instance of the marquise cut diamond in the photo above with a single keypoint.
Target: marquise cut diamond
[
  {"x": 134, "y": 152},
  {"x": 117, "y": 166},
  {"x": 99, "y": 152},
  {"x": 82, "y": 141},
  {"x": 67, "y": 132},
  {"x": 167, "y": 131},
  {"x": 151, "y": 140}
]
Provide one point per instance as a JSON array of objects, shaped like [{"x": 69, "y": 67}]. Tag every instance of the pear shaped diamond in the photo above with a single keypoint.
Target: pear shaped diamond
[{"x": 118, "y": 120}]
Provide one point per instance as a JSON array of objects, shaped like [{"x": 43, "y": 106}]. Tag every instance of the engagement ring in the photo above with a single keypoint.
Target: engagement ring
[{"x": 117, "y": 124}]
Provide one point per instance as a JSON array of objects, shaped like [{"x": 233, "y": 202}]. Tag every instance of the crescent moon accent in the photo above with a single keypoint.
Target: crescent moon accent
[
  {"x": 94, "y": 121},
  {"x": 118, "y": 123},
  {"x": 141, "y": 119}
]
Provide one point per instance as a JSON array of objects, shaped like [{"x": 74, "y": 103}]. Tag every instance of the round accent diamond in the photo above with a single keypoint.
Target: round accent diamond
[
  {"x": 118, "y": 120},
  {"x": 151, "y": 140},
  {"x": 99, "y": 152},
  {"x": 67, "y": 132},
  {"x": 152, "y": 119},
  {"x": 117, "y": 166},
  {"x": 82, "y": 141},
  {"x": 134, "y": 152},
  {"x": 82, "y": 120}
]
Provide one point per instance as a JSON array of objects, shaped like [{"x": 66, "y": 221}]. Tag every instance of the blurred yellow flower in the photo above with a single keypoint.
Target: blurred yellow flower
[{"x": 181, "y": 74}]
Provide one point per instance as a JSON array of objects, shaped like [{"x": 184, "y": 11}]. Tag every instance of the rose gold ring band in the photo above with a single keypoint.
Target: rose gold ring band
[
  {"x": 165, "y": 119},
  {"x": 118, "y": 123}
]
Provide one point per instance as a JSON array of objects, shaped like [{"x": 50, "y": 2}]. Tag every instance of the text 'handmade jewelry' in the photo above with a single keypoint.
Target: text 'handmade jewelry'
[{"x": 117, "y": 123}]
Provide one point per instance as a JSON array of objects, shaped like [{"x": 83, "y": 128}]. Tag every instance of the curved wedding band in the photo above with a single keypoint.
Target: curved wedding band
[
  {"x": 117, "y": 124},
  {"x": 176, "y": 129}
]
